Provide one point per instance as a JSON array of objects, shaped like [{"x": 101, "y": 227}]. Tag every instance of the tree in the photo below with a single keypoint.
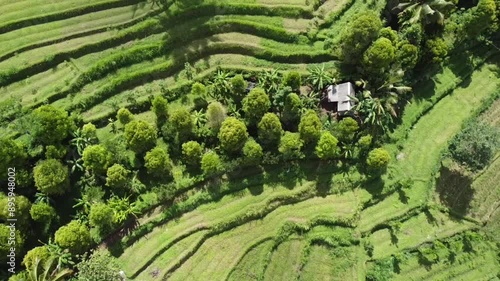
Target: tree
[
  {"x": 51, "y": 177},
  {"x": 346, "y": 129},
  {"x": 89, "y": 131},
  {"x": 378, "y": 57},
  {"x": 358, "y": 35},
  {"x": 124, "y": 116},
  {"x": 310, "y": 127},
  {"x": 253, "y": 152},
  {"x": 5, "y": 247},
  {"x": 157, "y": 162},
  {"x": 182, "y": 122},
  {"x": 270, "y": 80},
  {"x": 327, "y": 149},
  {"x": 436, "y": 50},
  {"x": 238, "y": 86},
  {"x": 290, "y": 146},
  {"x": 475, "y": 145},
  {"x": 232, "y": 135},
  {"x": 117, "y": 176},
  {"x": 74, "y": 236},
  {"x": 122, "y": 208},
  {"x": 319, "y": 78},
  {"x": 140, "y": 136},
  {"x": 192, "y": 152},
  {"x": 198, "y": 90},
  {"x": 40, "y": 252},
  {"x": 159, "y": 106},
  {"x": 422, "y": 11},
  {"x": 44, "y": 214},
  {"x": 12, "y": 154},
  {"x": 293, "y": 108},
  {"x": 482, "y": 17},
  {"x": 96, "y": 158},
  {"x": 269, "y": 129},
  {"x": 293, "y": 80},
  {"x": 98, "y": 267},
  {"x": 101, "y": 217},
  {"x": 255, "y": 104},
  {"x": 47, "y": 118},
  {"x": 377, "y": 160},
  {"x": 216, "y": 114},
  {"x": 407, "y": 55},
  {"x": 211, "y": 163}
]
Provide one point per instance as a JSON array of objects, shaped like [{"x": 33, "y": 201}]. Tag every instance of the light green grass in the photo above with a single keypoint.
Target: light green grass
[
  {"x": 492, "y": 115},
  {"x": 486, "y": 188},
  {"x": 42, "y": 32},
  {"x": 252, "y": 265},
  {"x": 415, "y": 231},
  {"x": 329, "y": 264},
  {"x": 285, "y": 261}
]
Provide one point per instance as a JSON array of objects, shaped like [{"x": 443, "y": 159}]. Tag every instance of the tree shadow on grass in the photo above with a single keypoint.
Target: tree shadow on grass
[{"x": 454, "y": 187}]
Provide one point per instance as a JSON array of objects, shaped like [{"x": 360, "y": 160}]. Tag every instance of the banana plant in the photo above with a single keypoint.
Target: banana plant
[{"x": 47, "y": 271}]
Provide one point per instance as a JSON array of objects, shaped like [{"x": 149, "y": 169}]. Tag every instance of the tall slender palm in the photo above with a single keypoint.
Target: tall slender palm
[
  {"x": 423, "y": 11},
  {"x": 320, "y": 78}
]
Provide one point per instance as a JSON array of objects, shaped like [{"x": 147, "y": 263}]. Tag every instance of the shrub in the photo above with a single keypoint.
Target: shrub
[
  {"x": 253, "y": 152},
  {"x": 326, "y": 148},
  {"x": 74, "y": 236},
  {"x": 140, "y": 136},
  {"x": 124, "y": 116},
  {"x": 192, "y": 152},
  {"x": 211, "y": 163},
  {"x": 377, "y": 160},
  {"x": 269, "y": 129},
  {"x": 232, "y": 135},
  {"x": 117, "y": 176},
  {"x": 293, "y": 80},
  {"x": 255, "y": 104},
  {"x": 50, "y": 119},
  {"x": 310, "y": 127},
  {"x": 96, "y": 158},
  {"x": 291, "y": 146},
  {"x": 157, "y": 162},
  {"x": 42, "y": 253},
  {"x": 51, "y": 177}
]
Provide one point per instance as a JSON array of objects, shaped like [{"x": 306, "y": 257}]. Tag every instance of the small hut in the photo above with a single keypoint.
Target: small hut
[{"x": 337, "y": 98}]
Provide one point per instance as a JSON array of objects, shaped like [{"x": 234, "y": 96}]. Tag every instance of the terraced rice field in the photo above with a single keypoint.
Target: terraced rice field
[{"x": 113, "y": 55}]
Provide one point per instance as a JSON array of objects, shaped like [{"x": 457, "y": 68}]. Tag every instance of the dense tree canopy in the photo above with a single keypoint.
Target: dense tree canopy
[
  {"x": 41, "y": 252},
  {"x": 43, "y": 213},
  {"x": 182, "y": 122},
  {"x": 238, "y": 86},
  {"x": 192, "y": 152},
  {"x": 358, "y": 35},
  {"x": 74, "y": 236},
  {"x": 51, "y": 177},
  {"x": 232, "y": 134},
  {"x": 157, "y": 162},
  {"x": 291, "y": 146},
  {"x": 379, "y": 56},
  {"x": 12, "y": 154},
  {"x": 140, "y": 136},
  {"x": 124, "y": 116},
  {"x": 117, "y": 176},
  {"x": 269, "y": 129},
  {"x": 47, "y": 118},
  {"x": 293, "y": 108},
  {"x": 4, "y": 242},
  {"x": 101, "y": 217},
  {"x": 216, "y": 114},
  {"x": 98, "y": 267},
  {"x": 326, "y": 148},
  {"x": 96, "y": 158},
  {"x": 255, "y": 104},
  {"x": 89, "y": 131},
  {"x": 211, "y": 163},
  {"x": 310, "y": 127},
  {"x": 253, "y": 152},
  {"x": 346, "y": 129}
]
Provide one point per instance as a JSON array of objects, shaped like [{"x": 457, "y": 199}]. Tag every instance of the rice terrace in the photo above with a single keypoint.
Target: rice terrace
[{"x": 241, "y": 140}]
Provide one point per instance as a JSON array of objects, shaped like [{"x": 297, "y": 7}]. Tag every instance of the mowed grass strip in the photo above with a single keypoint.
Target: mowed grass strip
[
  {"x": 285, "y": 261},
  {"x": 415, "y": 231},
  {"x": 252, "y": 265},
  {"x": 219, "y": 254},
  {"x": 486, "y": 198},
  {"x": 492, "y": 115},
  {"x": 331, "y": 264},
  {"x": 421, "y": 153},
  {"x": 29, "y": 35}
]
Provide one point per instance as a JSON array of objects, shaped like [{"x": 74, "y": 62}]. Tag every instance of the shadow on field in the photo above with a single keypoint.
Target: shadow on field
[{"x": 454, "y": 187}]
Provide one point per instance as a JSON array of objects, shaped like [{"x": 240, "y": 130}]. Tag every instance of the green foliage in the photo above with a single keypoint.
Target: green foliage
[
  {"x": 157, "y": 162},
  {"x": 43, "y": 213},
  {"x": 358, "y": 35},
  {"x": 117, "y": 176},
  {"x": 74, "y": 236},
  {"x": 310, "y": 127},
  {"x": 98, "y": 267},
  {"x": 96, "y": 158},
  {"x": 293, "y": 108},
  {"x": 377, "y": 160},
  {"x": 269, "y": 129},
  {"x": 437, "y": 50},
  {"x": 124, "y": 116},
  {"x": 390, "y": 34},
  {"x": 51, "y": 177},
  {"x": 326, "y": 148},
  {"x": 232, "y": 135},
  {"x": 424, "y": 12},
  {"x": 4, "y": 244},
  {"x": 407, "y": 55},
  {"x": 140, "y": 136},
  {"x": 253, "y": 152},
  {"x": 255, "y": 104},
  {"x": 55, "y": 152},
  {"x": 182, "y": 122},
  {"x": 216, "y": 114},
  {"x": 47, "y": 118},
  {"x": 238, "y": 86},
  {"x": 381, "y": 271},
  {"x": 159, "y": 106},
  {"x": 192, "y": 152},
  {"x": 379, "y": 56},
  {"x": 293, "y": 80},
  {"x": 211, "y": 163},
  {"x": 101, "y": 217},
  {"x": 89, "y": 131},
  {"x": 198, "y": 90},
  {"x": 346, "y": 129},
  {"x": 11, "y": 153},
  {"x": 475, "y": 145},
  {"x": 42, "y": 253},
  {"x": 291, "y": 146}
]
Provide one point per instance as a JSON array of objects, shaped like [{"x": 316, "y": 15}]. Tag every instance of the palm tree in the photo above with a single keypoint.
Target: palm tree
[
  {"x": 423, "y": 11},
  {"x": 373, "y": 111},
  {"x": 46, "y": 271},
  {"x": 199, "y": 117},
  {"x": 390, "y": 95},
  {"x": 319, "y": 78},
  {"x": 122, "y": 208},
  {"x": 270, "y": 80},
  {"x": 310, "y": 100}
]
